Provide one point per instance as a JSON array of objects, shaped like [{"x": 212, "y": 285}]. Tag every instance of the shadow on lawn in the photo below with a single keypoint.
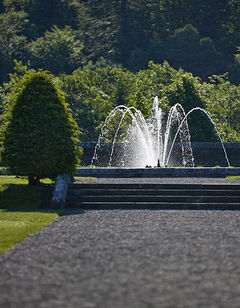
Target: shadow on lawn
[{"x": 20, "y": 197}]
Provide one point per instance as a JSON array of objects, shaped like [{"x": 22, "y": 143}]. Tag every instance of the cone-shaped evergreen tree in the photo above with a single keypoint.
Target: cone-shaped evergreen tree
[{"x": 40, "y": 140}]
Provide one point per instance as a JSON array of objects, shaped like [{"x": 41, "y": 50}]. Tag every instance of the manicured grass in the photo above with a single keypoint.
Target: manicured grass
[
  {"x": 233, "y": 177},
  {"x": 15, "y": 226},
  {"x": 20, "y": 210},
  {"x": 11, "y": 179}
]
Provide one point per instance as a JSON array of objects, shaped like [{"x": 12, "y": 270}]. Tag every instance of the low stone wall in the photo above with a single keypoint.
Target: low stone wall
[
  {"x": 206, "y": 154},
  {"x": 212, "y": 154}
]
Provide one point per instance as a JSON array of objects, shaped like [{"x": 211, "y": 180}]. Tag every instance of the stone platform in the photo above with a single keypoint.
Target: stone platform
[{"x": 157, "y": 172}]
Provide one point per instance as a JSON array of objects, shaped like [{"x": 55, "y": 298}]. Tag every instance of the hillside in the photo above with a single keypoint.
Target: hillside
[
  {"x": 201, "y": 37},
  {"x": 107, "y": 53}
]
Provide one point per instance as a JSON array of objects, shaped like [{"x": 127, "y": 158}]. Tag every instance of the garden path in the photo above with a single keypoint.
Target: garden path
[{"x": 127, "y": 258}]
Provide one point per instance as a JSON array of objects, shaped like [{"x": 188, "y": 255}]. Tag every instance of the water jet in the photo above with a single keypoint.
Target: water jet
[{"x": 127, "y": 139}]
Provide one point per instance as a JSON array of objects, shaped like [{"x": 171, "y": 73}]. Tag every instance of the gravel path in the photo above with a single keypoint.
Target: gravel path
[{"x": 127, "y": 259}]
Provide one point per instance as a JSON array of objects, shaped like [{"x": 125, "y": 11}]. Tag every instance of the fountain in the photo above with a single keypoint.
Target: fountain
[{"x": 127, "y": 139}]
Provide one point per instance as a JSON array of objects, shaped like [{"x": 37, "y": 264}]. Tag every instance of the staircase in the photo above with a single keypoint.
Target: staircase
[{"x": 154, "y": 196}]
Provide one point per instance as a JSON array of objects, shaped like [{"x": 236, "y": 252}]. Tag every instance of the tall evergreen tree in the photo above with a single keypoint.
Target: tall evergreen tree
[{"x": 40, "y": 140}]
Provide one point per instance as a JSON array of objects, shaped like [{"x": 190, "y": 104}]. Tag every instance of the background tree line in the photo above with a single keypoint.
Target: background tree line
[
  {"x": 106, "y": 53},
  {"x": 60, "y": 35}
]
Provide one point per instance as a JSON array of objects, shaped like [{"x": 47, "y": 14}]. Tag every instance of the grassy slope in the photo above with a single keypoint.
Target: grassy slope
[{"x": 20, "y": 211}]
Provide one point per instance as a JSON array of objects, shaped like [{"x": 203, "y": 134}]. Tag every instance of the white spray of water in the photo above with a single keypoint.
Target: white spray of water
[
  {"x": 179, "y": 128},
  {"x": 148, "y": 142}
]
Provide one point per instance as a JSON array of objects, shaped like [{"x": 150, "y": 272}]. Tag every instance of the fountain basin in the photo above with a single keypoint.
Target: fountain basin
[{"x": 127, "y": 172}]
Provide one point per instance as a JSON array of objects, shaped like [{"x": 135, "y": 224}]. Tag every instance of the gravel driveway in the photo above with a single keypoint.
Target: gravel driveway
[{"x": 127, "y": 259}]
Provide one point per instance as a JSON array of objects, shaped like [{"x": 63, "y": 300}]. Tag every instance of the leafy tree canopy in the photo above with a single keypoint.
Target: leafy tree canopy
[
  {"x": 198, "y": 36},
  {"x": 59, "y": 51}
]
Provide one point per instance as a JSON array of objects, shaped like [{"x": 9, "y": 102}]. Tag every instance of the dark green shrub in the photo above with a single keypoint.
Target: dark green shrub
[{"x": 40, "y": 139}]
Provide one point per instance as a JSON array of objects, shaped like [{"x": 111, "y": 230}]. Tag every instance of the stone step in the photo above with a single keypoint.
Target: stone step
[
  {"x": 150, "y": 198},
  {"x": 134, "y": 195},
  {"x": 153, "y": 192},
  {"x": 154, "y": 186},
  {"x": 155, "y": 205}
]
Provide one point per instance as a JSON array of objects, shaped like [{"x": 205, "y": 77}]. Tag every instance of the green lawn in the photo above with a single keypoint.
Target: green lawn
[
  {"x": 11, "y": 179},
  {"x": 20, "y": 210},
  {"x": 233, "y": 177}
]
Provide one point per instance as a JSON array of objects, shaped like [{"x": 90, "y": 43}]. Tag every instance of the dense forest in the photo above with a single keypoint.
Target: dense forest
[
  {"x": 106, "y": 53},
  {"x": 60, "y": 35}
]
